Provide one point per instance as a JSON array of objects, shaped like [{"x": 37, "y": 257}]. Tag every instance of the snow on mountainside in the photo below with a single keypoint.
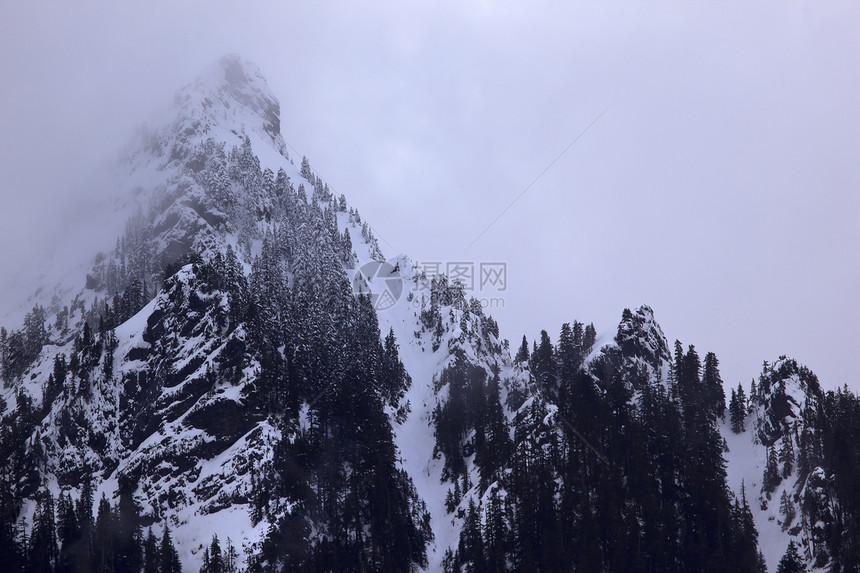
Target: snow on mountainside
[
  {"x": 781, "y": 410},
  {"x": 228, "y": 103},
  {"x": 200, "y": 182},
  {"x": 210, "y": 346}
]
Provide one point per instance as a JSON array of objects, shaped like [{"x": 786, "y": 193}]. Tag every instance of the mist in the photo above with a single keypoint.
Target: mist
[{"x": 720, "y": 185}]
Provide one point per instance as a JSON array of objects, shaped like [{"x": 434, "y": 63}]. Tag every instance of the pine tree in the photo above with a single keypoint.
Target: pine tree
[
  {"x": 43, "y": 550},
  {"x": 772, "y": 476},
  {"x": 738, "y": 410},
  {"x": 545, "y": 367},
  {"x": 128, "y": 556},
  {"x": 60, "y": 371},
  {"x": 522, "y": 356},
  {"x": 492, "y": 437},
  {"x": 206, "y": 567},
  {"x": 713, "y": 384},
  {"x": 84, "y": 513},
  {"x": 495, "y": 534},
  {"x": 12, "y": 551},
  {"x": 471, "y": 547},
  {"x": 168, "y": 555},
  {"x": 578, "y": 341},
  {"x": 786, "y": 509},
  {"x": 69, "y": 534},
  {"x": 588, "y": 339},
  {"x": 306, "y": 171},
  {"x": 805, "y": 462},
  {"x": 734, "y": 416},
  {"x": 231, "y": 557},
  {"x": 151, "y": 558},
  {"x": 103, "y": 539},
  {"x": 744, "y": 549},
  {"x": 449, "y": 501},
  {"x": 791, "y": 562},
  {"x": 568, "y": 355},
  {"x": 705, "y": 506},
  {"x": 786, "y": 456},
  {"x": 213, "y": 560}
]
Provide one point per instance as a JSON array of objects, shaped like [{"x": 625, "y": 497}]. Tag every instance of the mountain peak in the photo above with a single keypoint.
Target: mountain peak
[
  {"x": 228, "y": 101},
  {"x": 787, "y": 391},
  {"x": 233, "y": 88},
  {"x": 639, "y": 334}
]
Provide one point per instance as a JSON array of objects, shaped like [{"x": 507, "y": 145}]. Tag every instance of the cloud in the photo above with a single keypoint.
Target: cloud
[{"x": 720, "y": 187}]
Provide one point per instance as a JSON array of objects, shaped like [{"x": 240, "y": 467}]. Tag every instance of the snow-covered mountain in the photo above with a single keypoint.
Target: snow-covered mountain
[{"x": 229, "y": 353}]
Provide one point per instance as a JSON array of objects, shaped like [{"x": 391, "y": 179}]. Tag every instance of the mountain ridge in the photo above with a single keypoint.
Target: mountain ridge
[{"x": 222, "y": 365}]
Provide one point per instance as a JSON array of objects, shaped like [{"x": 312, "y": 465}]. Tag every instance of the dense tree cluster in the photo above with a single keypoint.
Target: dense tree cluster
[
  {"x": 307, "y": 352},
  {"x": 472, "y": 410},
  {"x": 609, "y": 469},
  {"x": 830, "y": 500},
  {"x": 68, "y": 536},
  {"x": 325, "y": 371},
  {"x": 217, "y": 560},
  {"x": 19, "y": 348}
]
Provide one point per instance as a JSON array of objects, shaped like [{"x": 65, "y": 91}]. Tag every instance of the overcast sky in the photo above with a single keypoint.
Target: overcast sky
[{"x": 721, "y": 185}]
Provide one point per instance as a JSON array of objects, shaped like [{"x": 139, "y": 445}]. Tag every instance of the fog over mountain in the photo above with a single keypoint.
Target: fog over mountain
[
  {"x": 221, "y": 366},
  {"x": 720, "y": 185}
]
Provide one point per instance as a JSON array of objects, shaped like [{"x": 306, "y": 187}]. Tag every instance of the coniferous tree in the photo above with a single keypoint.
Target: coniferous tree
[
  {"x": 495, "y": 534},
  {"x": 43, "y": 549},
  {"x": 169, "y": 558},
  {"x": 544, "y": 366},
  {"x": 786, "y": 456},
  {"x": 128, "y": 557},
  {"x": 806, "y": 459},
  {"x": 69, "y": 534},
  {"x": 705, "y": 506},
  {"x": 206, "y": 567},
  {"x": 787, "y": 510},
  {"x": 460, "y": 413},
  {"x": 744, "y": 554},
  {"x": 213, "y": 559},
  {"x": 772, "y": 476},
  {"x": 738, "y": 410},
  {"x": 231, "y": 557},
  {"x": 839, "y": 439},
  {"x": 579, "y": 341},
  {"x": 471, "y": 548},
  {"x": 791, "y": 561},
  {"x": 589, "y": 337},
  {"x": 86, "y": 525},
  {"x": 492, "y": 436},
  {"x": 569, "y": 357},
  {"x": 522, "y": 356},
  {"x": 713, "y": 384},
  {"x": 151, "y": 558},
  {"x": 11, "y": 550},
  {"x": 733, "y": 408},
  {"x": 103, "y": 539},
  {"x": 306, "y": 170}
]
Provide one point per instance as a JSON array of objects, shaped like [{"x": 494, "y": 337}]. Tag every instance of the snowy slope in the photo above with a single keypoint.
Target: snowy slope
[
  {"x": 226, "y": 103},
  {"x": 195, "y": 472},
  {"x": 192, "y": 475},
  {"x": 748, "y": 453}
]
